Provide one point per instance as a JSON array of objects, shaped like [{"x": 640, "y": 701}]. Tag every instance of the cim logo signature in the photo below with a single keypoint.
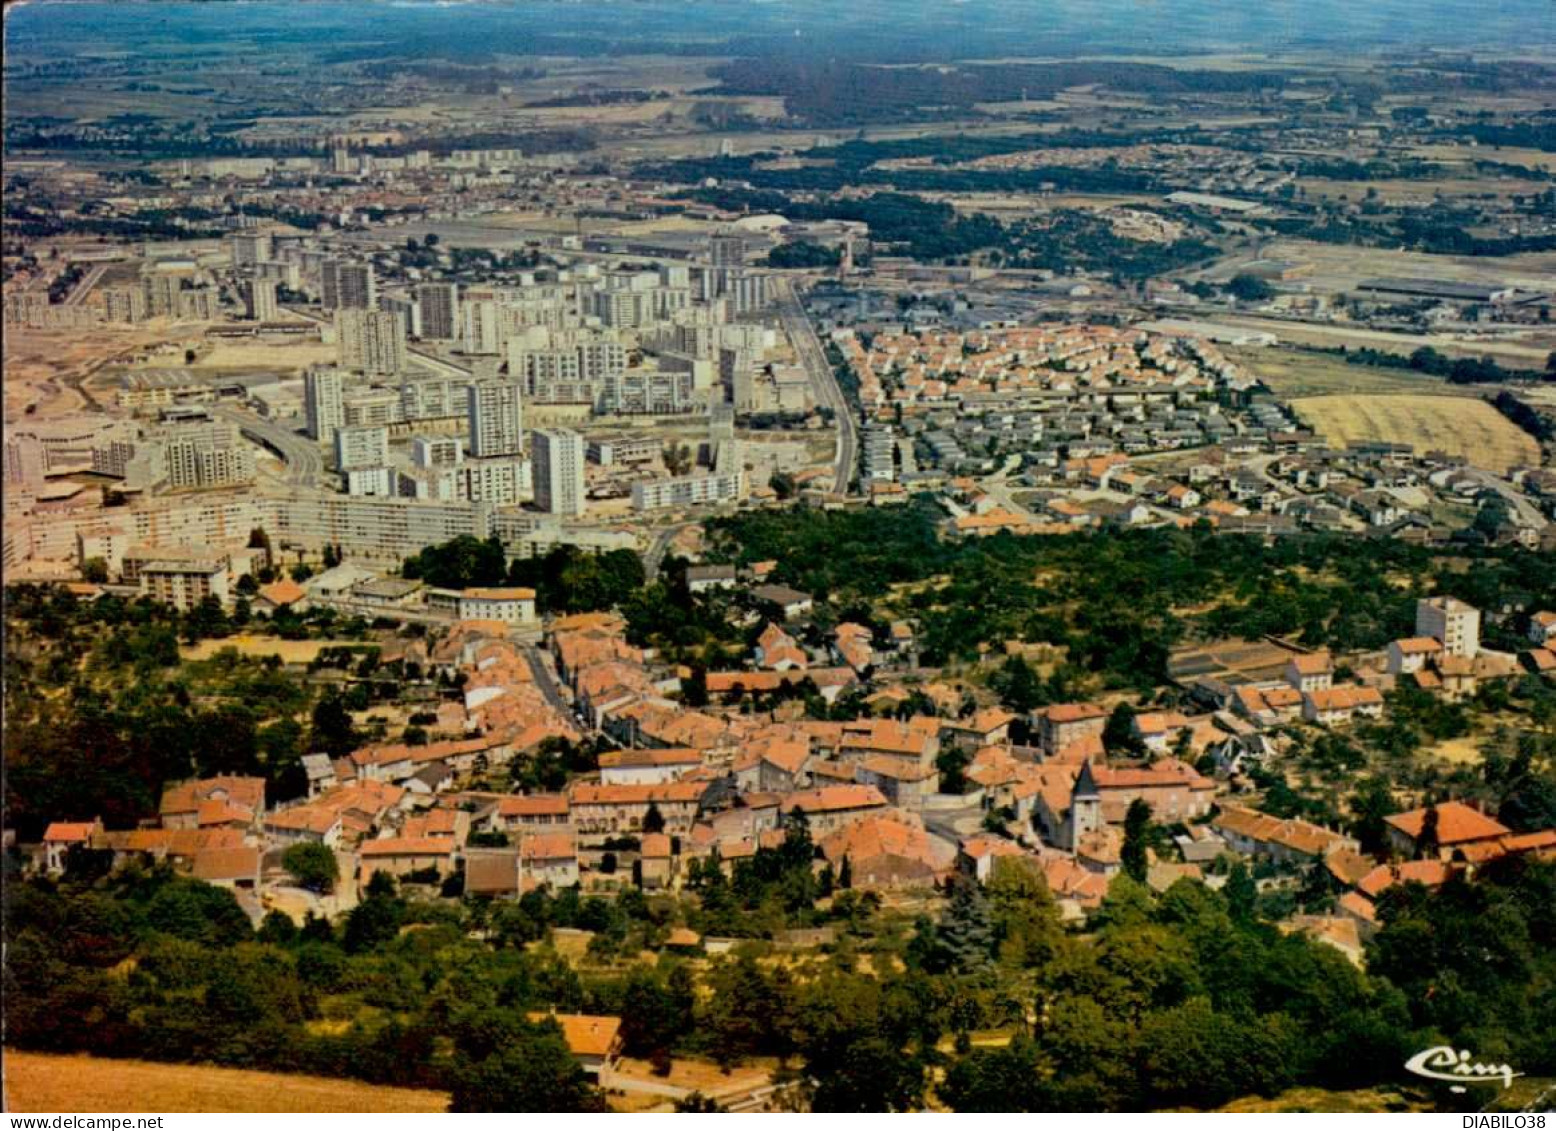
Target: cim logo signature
[{"x": 1457, "y": 1067}]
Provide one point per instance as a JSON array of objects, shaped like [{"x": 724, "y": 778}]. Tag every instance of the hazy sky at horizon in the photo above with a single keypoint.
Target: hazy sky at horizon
[{"x": 886, "y": 28}]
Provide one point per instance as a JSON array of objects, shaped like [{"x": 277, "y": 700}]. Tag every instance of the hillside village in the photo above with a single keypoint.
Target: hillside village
[{"x": 915, "y": 782}]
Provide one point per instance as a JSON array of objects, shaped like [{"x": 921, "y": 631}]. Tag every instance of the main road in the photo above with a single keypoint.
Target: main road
[
  {"x": 807, "y": 346},
  {"x": 304, "y": 462}
]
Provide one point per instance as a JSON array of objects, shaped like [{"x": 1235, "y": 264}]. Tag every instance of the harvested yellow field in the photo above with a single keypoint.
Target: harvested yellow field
[
  {"x": 1459, "y": 426},
  {"x": 41, "y": 1082},
  {"x": 290, "y": 651}
]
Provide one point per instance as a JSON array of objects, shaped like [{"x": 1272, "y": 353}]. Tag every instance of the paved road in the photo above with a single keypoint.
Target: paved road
[
  {"x": 1528, "y": 514},
  {"x": 304, "y": 461},
  {"x": 545, "y": 680},
  {"x": 84, "y": 287},
  {"x": 798, "y": 326},
  {"x": 654, "y": 556}
]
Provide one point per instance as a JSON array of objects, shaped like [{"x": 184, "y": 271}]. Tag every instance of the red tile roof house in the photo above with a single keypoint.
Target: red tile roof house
[
  {"x": 493, "y": 873},
  {"x": 1065, "y": 723},
  {"x": 61, "y": 836},
  {"x": 640, "y": 767},
  {"x": 233, "y": 867},
  {"x": 240, "y": 800},
  {"x": 906, "y": 784},
  {"x": 535, "y": 811},
  {"x": 604, "y": 811},
  {"x": 1458, "y": 826},
  {"x": 1258, "y": 834},
  {"x": 832, "y": 807},
  {"x": 1341, "y": 704},
  {"x": 549, "y": 858},
  {"x": 595, "y": 1042},
  {"x": 988, "y": 727},
  {"x": 883, "y": 852},
  {"x": 656, "y": 862},
  {"x": 979, "y": 855},
  {"x": 400, "y": 856}
]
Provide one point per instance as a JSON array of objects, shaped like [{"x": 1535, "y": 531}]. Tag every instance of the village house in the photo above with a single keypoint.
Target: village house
[
  {"x": 1459, "y": 827},
  {"x": 225, "y": 800},
  {"x": 905, "y": 784},
  {"x": 1288, "y": 841},
  {"x": 831, "y": 807},
  {"x": 656, "y": 862},
  {"x": 1312, "y": 671},
  {"x": 509, "y": 605},
  {"x": 705, "y": 578},
  {"x": 1341, "y": 704},
  {"x": 603, "y": 811},
  {"x": 883, "y": 853},
  {"x": 549, "y": 858},
  {"x": 790, "y": 603},
  {"x": 63, "y": 836},
  {"x": 1268, "y": 705},
  {"x": 595, "y": 1042},
  {"x": 987, "y": 727},
  {"x": 1412, "y": 654},
  {"x": 782, "y": 764},
  {"x": 235, "y": 867},
  {"x": 651, "y": 767},
  {"x": 978, "y": 855},
  {"x": 535, "y": 812},
  {"x": 1062, "y": 724},
  {"x": 405, "y": 856}
]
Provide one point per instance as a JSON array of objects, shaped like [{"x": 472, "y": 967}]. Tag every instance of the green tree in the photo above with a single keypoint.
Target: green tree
[
  {"x": 312, "y": 865},
  {"x": 1118, "y": 733},
  {"x": 1137, "y": 833},
  {"x": 333, "y": 731},
  {"x": 531, "y": 1070}
]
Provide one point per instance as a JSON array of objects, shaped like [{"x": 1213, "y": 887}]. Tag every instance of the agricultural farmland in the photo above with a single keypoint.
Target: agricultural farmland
[{"x": 1457, "y": 425}]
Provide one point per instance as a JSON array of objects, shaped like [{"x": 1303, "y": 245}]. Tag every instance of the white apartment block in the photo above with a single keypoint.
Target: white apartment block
[
  {"x": 500, "y": 482},
  {"x": 557, "y": 456},
  {"x": 251, "y": 248},
  {"x": 439, "y": 304},
  {"x": 259, "y": 300},
  {"x": 380, "y": 482},
  {"x": 687, "y": 491},
  {"x": 361, "y": 447},
  {"x": 366, "y": 406},
  {"x": 1451, "y": 621},
  {"x": 323, "y": 402},
  {"x": 495, "y": 412},
  {"x": 348, "y": 286},
  {"x": 437, "y": 451},
  {"x": 372, "y": 341},
  {"x": 510, "y": 605},
  {"x": 184, "y": 583}
]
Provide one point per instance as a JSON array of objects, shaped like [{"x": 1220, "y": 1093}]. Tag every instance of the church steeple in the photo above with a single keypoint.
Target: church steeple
[{"x": 1085, "y": 806}]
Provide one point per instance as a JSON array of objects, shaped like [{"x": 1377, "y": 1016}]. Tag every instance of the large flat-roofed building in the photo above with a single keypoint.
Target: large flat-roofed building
[
  {"x": 689, "y": 490},
  {"x": 509, "y": 605},
  {"x": 1393, "y": 287},
  {"x": 496, "y": 413},
  {"x": 439, "y": 310},
  {"x": 364, "y": 447},
  {"x": 372, "y": 341},
  {"x": 1451, "y": 621},
  {"x": 557, "y": 461},
  {"x": 259, "y": 299},
  {"x": 348, "y": 286},
  {"x": 184, "y": 583},
  {"x": 324, "y": 403}
]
